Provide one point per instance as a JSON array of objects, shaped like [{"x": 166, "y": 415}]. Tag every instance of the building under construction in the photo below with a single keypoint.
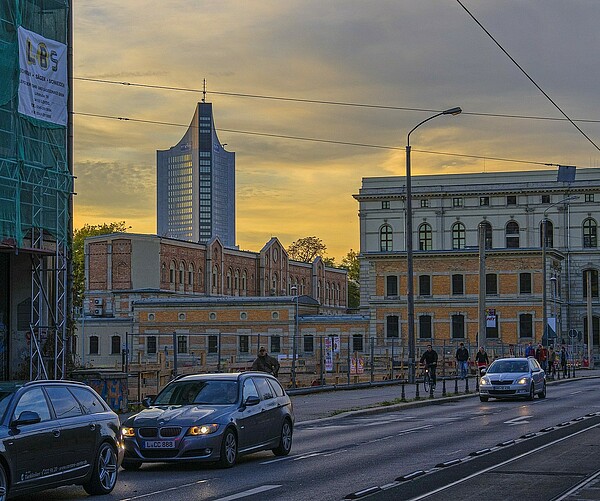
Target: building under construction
[{"x": 36, "y": 187}]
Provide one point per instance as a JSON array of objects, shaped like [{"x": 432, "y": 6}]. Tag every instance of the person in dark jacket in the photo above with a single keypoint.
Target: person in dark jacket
[
  {"x": 481, "y": 359},
  {"x": 563, "y": 360},
  {"x": 462, "y": 358},
  {"x": 430, "y": 358},
  {"x": 265, "y": 363}
]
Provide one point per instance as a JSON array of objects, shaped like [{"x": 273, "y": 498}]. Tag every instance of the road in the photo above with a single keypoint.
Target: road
[{"x": 332, "y": 458}]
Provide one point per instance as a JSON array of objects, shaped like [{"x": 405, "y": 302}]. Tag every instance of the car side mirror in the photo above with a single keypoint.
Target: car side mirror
[
  {"x": 26, "y": 417},
  {"x": 147, "y": 402},
  {"x": 483, "y": 371},
  {"x": 252, "y": 400}
]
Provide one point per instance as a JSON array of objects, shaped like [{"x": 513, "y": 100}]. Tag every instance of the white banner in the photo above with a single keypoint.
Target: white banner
[{"x": 43, "y": 83}]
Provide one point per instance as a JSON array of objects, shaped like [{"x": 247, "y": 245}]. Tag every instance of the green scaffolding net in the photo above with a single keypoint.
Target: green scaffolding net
[{"x": 35, "y": 180}]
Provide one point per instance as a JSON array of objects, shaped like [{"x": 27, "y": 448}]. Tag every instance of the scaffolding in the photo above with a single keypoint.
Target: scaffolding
[{"x": 36, "y": 188}]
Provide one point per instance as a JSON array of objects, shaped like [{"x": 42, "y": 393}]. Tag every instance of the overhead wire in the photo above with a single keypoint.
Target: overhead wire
[
  {"x": 527, "y": 75},
  {"x": 318, "y": 140}
]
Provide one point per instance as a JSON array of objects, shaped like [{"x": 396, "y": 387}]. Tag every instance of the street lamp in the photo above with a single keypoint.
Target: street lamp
[
  {"x": 410, "y": 294},
  {"x": 544, "y": 279},
  {"x": 554, "y": 281},
  {"x": 294, "y": 349}
]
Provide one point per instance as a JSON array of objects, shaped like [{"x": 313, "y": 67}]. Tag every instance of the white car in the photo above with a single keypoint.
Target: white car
[{"x": 511, "y": 378}]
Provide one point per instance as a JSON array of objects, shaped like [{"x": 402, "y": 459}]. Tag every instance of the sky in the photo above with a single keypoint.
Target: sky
[{"x": 405, "y": 59}]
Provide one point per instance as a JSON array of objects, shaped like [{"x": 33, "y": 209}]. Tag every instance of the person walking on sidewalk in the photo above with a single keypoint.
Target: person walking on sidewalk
[
  {"x": 265, "y": 363},
  {"x": 530, "y": 350},
  {"x": 430, "y": 358},
  {"x": 481, "y": 359},
  {"x": 552, "y": 362},
  {"x": 563, "y": 360},
  {"x": 541, "y": 355},
  {"x": 462, "y": 358}
]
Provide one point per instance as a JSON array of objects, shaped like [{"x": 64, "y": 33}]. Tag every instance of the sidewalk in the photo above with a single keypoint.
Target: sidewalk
[{"x": 315, "y": 405}]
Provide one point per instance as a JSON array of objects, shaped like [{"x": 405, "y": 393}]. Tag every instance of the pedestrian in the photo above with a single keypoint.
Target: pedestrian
[
  {"x": 462, "y": 360},
  {"x": 481, "y": 359},
  {"x": 429, "y": 359},
  {"x": 541, "y": 355},
  {"x": 563, "y": 360},
  {"x": 530, "y": 350},
  {"x": 265, "y": 363},
  {"x": 552, "y": 362}
]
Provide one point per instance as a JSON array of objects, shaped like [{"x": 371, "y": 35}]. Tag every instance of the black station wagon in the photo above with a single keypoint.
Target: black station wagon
[
  {"x": 55, "y": 433},
  {"x": 211, "y": 417}
]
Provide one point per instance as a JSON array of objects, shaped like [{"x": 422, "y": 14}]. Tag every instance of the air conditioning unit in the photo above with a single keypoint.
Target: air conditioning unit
[
  {"x": 98, "y": 301},
  {"x": 97, "y": 312}
]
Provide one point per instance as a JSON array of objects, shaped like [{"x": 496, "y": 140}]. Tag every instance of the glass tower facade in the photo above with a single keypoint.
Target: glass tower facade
[{"x": 196, "y": 185}]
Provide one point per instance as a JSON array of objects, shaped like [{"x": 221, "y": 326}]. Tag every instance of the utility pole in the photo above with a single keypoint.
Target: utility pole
[{"x": 482, "y": 285}]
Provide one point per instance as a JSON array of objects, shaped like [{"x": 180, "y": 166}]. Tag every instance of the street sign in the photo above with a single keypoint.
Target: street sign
[{"x": 573, "y": 333}]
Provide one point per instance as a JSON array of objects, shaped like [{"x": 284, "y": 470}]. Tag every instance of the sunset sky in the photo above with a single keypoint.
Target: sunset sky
[{"x": 400, "y": 56}]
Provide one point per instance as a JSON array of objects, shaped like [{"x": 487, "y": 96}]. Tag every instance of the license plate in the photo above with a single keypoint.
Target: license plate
[
  {"x": 159, "y": 444},
  {"x": 501, "y": 387}
]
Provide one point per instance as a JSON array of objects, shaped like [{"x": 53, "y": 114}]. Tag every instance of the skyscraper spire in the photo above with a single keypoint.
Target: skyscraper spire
[{"x": 204, "y": 90}]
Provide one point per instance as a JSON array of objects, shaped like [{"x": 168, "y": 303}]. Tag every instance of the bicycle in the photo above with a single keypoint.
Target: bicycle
[{"x": 427, "y": 381}]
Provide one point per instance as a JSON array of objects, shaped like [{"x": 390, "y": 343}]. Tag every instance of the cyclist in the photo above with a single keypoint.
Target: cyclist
[{"x": 429, "y": 359}]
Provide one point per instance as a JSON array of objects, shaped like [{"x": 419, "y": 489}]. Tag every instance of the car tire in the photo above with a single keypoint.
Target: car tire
[
  {"x": 542, "y": 394},
  {"x": 531, "y": 392},
  {"x": 483, "y": 399},
  {"x": 104, "y": 471},
  {"x": 229, "y": 449},
  {"x": 131, "y": 465},
  {"x": 285, "y": 440},
  {"x": 3, "y": 483}
]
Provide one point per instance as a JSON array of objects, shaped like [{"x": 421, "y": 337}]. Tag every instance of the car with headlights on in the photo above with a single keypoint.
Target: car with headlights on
[
  {"x": 512, "y": 378},
  {"x": 212, "y": 418},
  {"x": 55, "y": 433}
]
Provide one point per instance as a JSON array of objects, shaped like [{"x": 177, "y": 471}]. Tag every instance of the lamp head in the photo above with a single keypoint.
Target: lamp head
[{"x": 453, "y": 111}]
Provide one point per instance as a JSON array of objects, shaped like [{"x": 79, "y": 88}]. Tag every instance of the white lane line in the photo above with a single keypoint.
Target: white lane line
[
  {"x": 292, "y": 458},
  {"x": 249, "y": 492},
  {"x": 498, "y": 465},
  {"x": 517, "y": 420},
  {"x": 164, "y": 490}
]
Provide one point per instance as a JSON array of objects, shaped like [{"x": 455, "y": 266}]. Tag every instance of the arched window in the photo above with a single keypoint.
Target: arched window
[
  {"x": 172, "y": 273},
  {"x": 385, "y": 238},
  {"x": 191, "y": 275},
  {"x": 512, "y": 235},
  {"x": 94, "y": 345},
  {"x": 229, "y": 279},
  {"x": 458, "y": 236},
  {"x": 274, "y": 283},
  {"x": 487, "y": 234},
  {"x": 236, "y": 280},
  {"x": 590, "y": 233},
  {"x": 549, "y": 234},
  {"x": 163, "y": 272},
  {"x": 215, "y": 275},
  {"x": 244, "y": 281},
  {"x": 181, "y": 273},
  {"x": 425, "y": 237},
  {"x": 115, "y": 345}
]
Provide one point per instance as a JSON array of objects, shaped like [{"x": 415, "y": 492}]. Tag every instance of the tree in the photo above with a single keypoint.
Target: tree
[
  {"x": 79, "y": 236},
  {"x": 351, "y": 263},
  {"x": 306, "y": 249}
]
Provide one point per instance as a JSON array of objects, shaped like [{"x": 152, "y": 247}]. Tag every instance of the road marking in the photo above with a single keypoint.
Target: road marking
[
  {"x": 249, "y": 492},
  {"x": 164, "y": 490},
  {"x": 517, "y": 420},
  {"x": 498, "y": 465}
]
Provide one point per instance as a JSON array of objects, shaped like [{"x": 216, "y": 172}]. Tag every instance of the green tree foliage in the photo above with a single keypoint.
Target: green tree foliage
[
  {"x": 351, "y": 263},
  {"x": 353, "y": 294},
  {"x": 79, "y": 236},
  {"x": 306, "y": 249}
]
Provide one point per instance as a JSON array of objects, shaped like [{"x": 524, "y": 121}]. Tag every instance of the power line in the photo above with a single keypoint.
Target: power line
[
  {"x": 324, "y": 102},
  {"x": 528, "y": 76},
  {"x": 318, "y": 140}
]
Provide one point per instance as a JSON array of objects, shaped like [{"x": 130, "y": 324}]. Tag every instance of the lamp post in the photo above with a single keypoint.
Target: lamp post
[
  {"x": 544, "y": 278},
  {"x": 410, "y": 294},
  {"x": 294, "y": 349},
  {"x": 554, "y": 282}
]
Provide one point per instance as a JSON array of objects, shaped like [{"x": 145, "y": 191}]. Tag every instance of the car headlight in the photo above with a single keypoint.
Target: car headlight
[
  {"x": 484, "y": 381},
  {"x": 127, "y": 431},
  {"x": 203, "y": 429},
  {"x": 523, "y": 380}
]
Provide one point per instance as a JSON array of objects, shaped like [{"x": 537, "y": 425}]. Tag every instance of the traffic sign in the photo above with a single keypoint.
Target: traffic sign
[{"x": 573, "y": 333}]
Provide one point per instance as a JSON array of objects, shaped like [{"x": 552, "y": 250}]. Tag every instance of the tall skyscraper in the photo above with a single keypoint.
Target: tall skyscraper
[{"x": 196, "y": 185}]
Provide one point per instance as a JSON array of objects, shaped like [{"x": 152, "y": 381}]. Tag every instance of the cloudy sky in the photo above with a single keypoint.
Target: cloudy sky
[{"x": 406, "y": 58}]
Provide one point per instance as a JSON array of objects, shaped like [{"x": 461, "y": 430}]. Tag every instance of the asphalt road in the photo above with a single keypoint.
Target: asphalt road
[{"x": 357, "y": 450}]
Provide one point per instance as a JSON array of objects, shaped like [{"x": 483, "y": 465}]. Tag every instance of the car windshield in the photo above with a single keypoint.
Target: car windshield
[
  {"x": 508, "y": 366},
  {"x": 198, "y": 393}
]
